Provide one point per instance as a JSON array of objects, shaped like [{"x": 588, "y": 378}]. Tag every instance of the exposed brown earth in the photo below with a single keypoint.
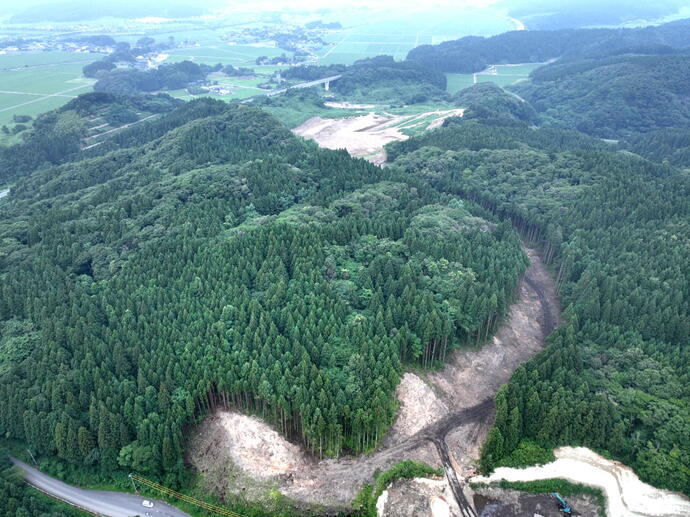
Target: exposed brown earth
[
  {"x": 453, "y": 406},
  {"x": 365, "y": 135}
]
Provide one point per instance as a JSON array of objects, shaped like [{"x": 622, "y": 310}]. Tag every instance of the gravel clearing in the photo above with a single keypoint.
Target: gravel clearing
[{"x": 419, "y": 497}]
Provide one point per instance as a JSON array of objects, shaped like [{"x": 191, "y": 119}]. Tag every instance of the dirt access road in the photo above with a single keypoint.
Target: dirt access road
[{"x": 451, "y": 409}]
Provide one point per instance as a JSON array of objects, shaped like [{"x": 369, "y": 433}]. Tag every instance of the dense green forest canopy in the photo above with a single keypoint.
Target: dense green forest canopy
[
  {"x": 165, "y": 77},
  {"x": 474, "y": 53},
  {"x": 671, "y": 145},
  {"x": 612, "y": 97},
  {"x": 615, "y": 229},
  {"x": 210, "y": 258},
  {"x": 207, "y": 257},
  {"x": 489, "y": 101},
  {"x": 378, "y": 79}
]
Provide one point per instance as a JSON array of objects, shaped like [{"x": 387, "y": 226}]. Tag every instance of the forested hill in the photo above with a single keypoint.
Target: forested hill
[
  {"x": 209, "y": 257},
  {"x": 58, "y": 136},
  {"x": 616, "y": 230},
  {"x": 378, "y": 79},
  {"x": 612, "y": 97},
  {"x": 473, "y": 53}
]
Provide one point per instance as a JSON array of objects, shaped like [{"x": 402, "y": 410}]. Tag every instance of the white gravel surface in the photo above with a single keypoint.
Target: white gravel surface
[{"x": 626, "y": 495}]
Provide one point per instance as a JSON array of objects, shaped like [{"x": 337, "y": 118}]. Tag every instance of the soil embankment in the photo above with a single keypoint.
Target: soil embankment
[{"x": 461, "y": 416}]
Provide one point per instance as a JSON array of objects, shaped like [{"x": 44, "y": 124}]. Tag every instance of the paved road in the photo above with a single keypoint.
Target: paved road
[{"x": 109, "y": 504}]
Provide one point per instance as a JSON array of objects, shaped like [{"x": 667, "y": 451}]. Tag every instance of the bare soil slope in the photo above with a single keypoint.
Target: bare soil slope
[{"x": 453, "y": 403}]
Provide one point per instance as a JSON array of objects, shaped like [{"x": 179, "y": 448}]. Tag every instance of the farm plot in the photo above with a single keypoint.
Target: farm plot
[
  {"x": 33, "y": 83},
  {"x": 502, "y": 75},
  {"x": 236, "y": 55}
]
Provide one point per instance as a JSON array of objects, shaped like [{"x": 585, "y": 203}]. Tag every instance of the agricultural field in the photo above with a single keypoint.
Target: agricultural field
[
  {"x": 502, "y": 75},
  {"x": 236, "y": 55},
  {"x": 397, "y": 35},
  {"x": 33, "y": 83}
]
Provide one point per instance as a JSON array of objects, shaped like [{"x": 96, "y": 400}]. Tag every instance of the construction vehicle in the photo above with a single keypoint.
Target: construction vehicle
[{"x": 562, "y": 504}]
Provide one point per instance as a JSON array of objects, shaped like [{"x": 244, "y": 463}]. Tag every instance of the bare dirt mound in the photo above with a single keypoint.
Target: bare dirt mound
[
  {"x": 451, "y": 403},
  {"x": 255, "y": 446},
  {"x": 419, "y": 497},
  {"x": 419, "y": 407}
]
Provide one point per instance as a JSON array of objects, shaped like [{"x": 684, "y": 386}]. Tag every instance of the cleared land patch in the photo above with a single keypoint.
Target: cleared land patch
[{"x": 365, "y": 135}]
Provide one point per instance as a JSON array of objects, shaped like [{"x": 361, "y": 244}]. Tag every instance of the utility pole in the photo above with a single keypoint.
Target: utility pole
[
  {"x": 133, "y": 484},
  {"x": 32, "y": 457}
]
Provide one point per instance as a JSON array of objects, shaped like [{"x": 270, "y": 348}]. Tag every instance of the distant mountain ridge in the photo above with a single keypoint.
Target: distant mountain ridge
[{"x": 473, "y": 53}]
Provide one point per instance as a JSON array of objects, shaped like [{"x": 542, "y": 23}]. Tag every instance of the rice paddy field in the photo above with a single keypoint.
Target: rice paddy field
[
  {"x": 33, "y": 83},
  {"x": 502, "y": 75},
  {"x": 396, "y": 34},
  {"x": 220, "y": 52}
]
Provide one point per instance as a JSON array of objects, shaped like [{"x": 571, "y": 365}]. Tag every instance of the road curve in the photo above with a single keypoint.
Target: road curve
[{"x": 99, "y": 502}]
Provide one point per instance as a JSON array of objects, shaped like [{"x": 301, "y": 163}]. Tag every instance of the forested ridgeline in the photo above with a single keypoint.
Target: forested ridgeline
[
  {"x": 616, "y": 230},
  {"x": 487, "y": 101},
  {"x": 612, "y": 97},
  {"x": 672, "y": 145},
  {"x": 378, "y": 79},
  {"x": 627, "y": 97},
  {"x": 57, "y": 136},
  {"x": 474, "y": 53},
  {"x": 225, "y": 262}
]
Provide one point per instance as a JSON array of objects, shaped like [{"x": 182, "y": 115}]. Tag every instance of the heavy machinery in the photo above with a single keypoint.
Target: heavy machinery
[{"x": 562, "y": 504}]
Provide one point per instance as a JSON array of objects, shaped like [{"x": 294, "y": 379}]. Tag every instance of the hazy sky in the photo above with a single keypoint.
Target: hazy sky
[{"x": 535, "y": 6}]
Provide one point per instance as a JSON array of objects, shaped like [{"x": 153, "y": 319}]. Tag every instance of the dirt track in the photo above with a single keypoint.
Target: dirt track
[{"x": 465, "y": 386}]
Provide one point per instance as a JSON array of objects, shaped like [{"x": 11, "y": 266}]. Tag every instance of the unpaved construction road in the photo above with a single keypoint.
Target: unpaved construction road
[{"x": 461, "y": 395}]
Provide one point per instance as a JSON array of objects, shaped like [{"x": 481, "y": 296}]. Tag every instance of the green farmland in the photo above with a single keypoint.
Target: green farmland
[
  {"x": 504, "y": 75},
  {"x": 236, "y": 55},
  {"x": 33, "y": 83}
]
